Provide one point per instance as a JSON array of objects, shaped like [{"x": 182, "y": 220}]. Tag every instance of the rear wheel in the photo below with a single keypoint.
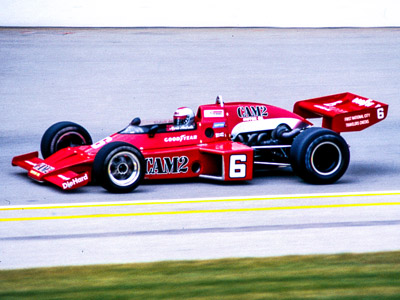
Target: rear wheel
[
  {"x": 319, "y": 155},
  {"x": 62, "y": 135},
  {"x": 119, "y": 167}
]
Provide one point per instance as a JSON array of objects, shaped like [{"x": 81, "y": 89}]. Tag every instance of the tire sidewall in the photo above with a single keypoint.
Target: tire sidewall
[
  {"x": 102, "y": 160},
  {"x": 303, "y": 147},
  {"x": 52, "y": 135}
]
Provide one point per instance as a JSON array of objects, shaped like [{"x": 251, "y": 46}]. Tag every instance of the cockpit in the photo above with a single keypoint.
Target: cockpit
[{"x": 135, "y": 128}]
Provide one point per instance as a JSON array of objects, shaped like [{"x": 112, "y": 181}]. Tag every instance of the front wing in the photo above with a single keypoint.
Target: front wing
[{"x": 41, "y": 171}]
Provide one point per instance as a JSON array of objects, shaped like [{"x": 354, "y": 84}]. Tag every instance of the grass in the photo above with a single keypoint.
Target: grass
[{"x": 347, "y": 276}]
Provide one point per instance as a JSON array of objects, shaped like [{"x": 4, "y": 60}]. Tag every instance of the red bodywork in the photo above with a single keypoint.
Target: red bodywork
[{"x": 206, "y": 151}]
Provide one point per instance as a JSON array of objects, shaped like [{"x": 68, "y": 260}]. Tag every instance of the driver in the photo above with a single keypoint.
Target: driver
[{"x": 184, "y": 118}]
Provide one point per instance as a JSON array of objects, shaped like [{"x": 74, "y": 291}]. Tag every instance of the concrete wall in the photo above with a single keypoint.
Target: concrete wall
[{"x": 200, "y": 13}]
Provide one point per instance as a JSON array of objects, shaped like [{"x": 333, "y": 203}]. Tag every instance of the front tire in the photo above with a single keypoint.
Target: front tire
[
  {"x": 63, "y": 135},
  {"x": 319, "y": 156},
  {"x": 119, "y": 167}
]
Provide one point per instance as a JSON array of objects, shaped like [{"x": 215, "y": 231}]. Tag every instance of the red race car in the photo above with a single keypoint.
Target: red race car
[{"x": 223, "y": 141}]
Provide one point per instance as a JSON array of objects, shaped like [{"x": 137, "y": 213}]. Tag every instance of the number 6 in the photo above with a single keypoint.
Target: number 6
[
  {"x": 380, "y": 113},
  {"x": 237, "y": 167}
]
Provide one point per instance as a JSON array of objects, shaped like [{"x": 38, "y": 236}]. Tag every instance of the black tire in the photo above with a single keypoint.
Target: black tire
[
  {"x": 319, "y": 156},
  {"x": 62, "y": 135},
  {"x": 119, "y": 167}
]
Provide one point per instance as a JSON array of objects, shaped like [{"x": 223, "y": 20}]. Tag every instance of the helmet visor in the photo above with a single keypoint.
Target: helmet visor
[{"x": 180, "y": 120}]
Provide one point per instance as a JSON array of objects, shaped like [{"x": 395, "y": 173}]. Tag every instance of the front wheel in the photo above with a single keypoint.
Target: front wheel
[
  {"x": 119, "y": 167},
  {"x": 62, "y": 135},
  {"x": 319, "y": 156}
]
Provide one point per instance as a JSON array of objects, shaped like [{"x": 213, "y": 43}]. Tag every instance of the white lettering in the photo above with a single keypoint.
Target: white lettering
[
  {"x": 357, "y": 123},
  {"x": 331, "y": 108},
  {"x": 180, "y": 138},
  {"x": 322, "y": 107},
  {"x": 362, "y": 102},
  {"x": 357, "y": 117},
  {"x": 215, "y": 113},
  {"x": 333, "y": 103},
  {"x": 352, "y": 124},
  {"x": 102, "y": 142},
  {"x": 74, "y": 181}
]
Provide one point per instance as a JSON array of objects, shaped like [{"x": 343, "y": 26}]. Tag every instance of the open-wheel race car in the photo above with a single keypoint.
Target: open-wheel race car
[{"x": 223, "y": 141}]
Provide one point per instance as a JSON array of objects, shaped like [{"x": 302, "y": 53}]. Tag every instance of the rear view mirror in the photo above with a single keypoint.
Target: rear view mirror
[{"x": 153, "y": 130}]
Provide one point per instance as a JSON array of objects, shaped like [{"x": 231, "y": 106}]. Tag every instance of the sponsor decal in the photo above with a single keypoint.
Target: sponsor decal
[
  {"x": 30, "y": 163},
  {"x": 322, "y": 107},
  {"x": 43, "y": 168},
  {"x": 219, "y": 125},
  {"x": 102, "y": 142},
  {"x": 330, "y": 108},
  {"x": 75, "y": 181},
  {"x": 180, "y": 127},
  {"x": 63, "y": 177},
  {"x": 34, "y": 173},
  {"x": 180, "y": 138},
  {"x": 214, "y": 113},
  {"x": 167, "y": 165},
  {"x": 362, "y": 102},
  {"x": 357, "y": 120},
  {"x": 257, "y": 112},
  {"x": 333, "y": 103},
  {"x": 220, "y": 134}
]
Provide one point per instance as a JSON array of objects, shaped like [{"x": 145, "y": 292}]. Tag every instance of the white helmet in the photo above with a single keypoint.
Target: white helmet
[{"x": 183, "y": 116}]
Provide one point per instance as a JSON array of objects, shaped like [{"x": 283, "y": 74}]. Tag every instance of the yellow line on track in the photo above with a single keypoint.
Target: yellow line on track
[
  {"x": 200, "y": 211},
  {"x": 285, "y": 197}
]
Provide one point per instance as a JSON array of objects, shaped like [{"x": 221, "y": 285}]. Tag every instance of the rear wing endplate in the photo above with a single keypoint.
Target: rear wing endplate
[{"x": 343, "y": 112}]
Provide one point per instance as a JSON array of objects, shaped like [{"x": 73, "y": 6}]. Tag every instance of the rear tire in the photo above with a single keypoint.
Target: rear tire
[
  {"x": 63, "y": 135},
  {"x": 119, "y": 167},
  {"x": 319, "y": 156}
]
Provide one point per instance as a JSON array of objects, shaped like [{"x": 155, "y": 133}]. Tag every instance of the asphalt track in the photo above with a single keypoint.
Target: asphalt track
[{"x": 102, "y": 78}]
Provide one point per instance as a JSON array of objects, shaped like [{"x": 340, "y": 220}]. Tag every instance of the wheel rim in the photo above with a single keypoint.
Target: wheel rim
[
  {"x": 326, "y": 158},
  {"x": 123, "y": 168},
  {"x": 70, "y": 139}
]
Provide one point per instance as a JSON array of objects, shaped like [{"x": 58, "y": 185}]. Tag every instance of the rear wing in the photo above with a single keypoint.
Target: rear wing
[{"x": 343, "y": 112}]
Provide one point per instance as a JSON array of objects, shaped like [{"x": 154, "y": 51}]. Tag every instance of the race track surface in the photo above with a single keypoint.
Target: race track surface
[{"x": 103, "y": 78}]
